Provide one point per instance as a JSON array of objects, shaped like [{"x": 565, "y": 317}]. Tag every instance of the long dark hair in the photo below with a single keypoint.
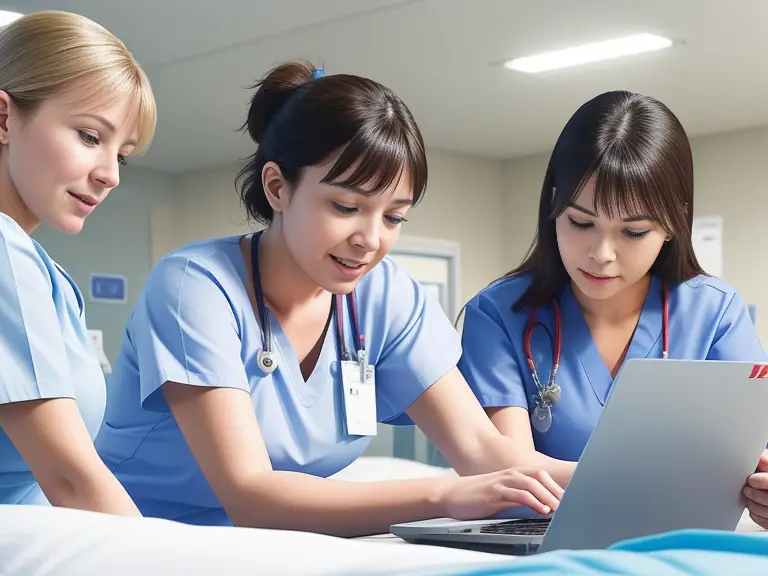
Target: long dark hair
[
  {"x": 640, "y": 158},
  {"x": 299, "y": 119}
]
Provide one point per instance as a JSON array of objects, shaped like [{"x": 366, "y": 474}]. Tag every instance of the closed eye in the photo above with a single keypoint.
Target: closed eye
[
  {"x": 344, "y": 209},
  {"x": 578, "y": 224},
  {"x": 635, "y": 235}
]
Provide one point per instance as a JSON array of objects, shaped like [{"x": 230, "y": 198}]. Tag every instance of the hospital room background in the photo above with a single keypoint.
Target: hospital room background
[{"x": 488, "y": 130}]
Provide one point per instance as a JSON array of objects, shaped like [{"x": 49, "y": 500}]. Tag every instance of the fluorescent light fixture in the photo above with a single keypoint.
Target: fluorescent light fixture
[
  {"x": 586, "y": 53},
  {"x": 7, "y": 17}
]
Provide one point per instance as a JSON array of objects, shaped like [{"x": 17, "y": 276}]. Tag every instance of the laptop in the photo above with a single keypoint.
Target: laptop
[{"x": 672, "y": 449}]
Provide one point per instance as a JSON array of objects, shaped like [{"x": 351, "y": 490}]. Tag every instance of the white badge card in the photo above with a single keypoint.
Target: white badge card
[{"x": 359, "y": 381}]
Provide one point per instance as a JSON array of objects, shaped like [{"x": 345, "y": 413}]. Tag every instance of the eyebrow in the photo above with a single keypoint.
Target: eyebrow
[
  {"x": 101, "y": 120},
  {"x": 640, "y": 218},
  {"x": 356, "y": 190}
]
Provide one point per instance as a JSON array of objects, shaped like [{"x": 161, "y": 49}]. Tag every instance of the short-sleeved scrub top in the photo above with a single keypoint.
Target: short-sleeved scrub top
[
  {"x": 45, "y": 350},
  {"x": 194, "y": 324},
  {"x": 707, "y": 320}
]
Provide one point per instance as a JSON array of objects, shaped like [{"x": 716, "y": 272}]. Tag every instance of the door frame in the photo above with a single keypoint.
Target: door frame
[
  {"x": 437, "y": 248},
  {"x": 405, "y": 442}
]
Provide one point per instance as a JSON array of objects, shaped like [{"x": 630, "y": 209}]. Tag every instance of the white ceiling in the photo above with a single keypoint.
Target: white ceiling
[{"x": 439, "y": 56}]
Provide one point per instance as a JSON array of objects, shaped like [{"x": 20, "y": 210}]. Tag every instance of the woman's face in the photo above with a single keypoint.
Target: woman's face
[
  {"x": 61, "y": 161},
  {"x": 603, "y": 256}
]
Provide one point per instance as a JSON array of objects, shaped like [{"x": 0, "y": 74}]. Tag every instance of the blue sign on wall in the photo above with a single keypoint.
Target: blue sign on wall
[{"x": 109, "y": 288}]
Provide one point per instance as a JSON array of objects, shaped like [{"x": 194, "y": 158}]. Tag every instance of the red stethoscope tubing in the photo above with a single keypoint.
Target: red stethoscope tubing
[{"x": 558, "y": 335}]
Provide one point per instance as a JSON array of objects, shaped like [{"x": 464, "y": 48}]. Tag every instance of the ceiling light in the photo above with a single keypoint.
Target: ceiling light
[
  {"x": 7, "y": 17},
  {"x": 586, "y": 53}
]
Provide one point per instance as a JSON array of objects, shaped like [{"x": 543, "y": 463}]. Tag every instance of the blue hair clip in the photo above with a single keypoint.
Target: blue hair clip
[{"x": 317, "y": 73}]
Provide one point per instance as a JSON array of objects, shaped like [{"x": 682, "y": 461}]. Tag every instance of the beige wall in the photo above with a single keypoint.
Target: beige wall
[
  {"x": 461, "y": 204},
  {"x": 731, "y": 176},
  {"x": 490, "y": 207}
]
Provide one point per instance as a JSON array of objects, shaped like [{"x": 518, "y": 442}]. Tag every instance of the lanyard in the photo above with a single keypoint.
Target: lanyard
[{"x": 266, "y": 357}]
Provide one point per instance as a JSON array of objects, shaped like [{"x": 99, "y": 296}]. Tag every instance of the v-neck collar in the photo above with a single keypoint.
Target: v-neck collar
[
  {"x": 576, "y": 333},
  {"x": 307, "y": 391}
]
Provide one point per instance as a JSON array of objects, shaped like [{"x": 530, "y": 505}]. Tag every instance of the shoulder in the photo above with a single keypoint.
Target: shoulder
[
  {"x": 20, "y": 254},
  {"x": 500, "y": 296},
  {"x": 212, "y": 259},
  {"x": 707, "y": 301},
  {"x": 706, "y": 293}
]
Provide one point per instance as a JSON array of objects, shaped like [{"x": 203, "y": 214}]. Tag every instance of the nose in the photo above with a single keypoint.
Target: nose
[
  {"x": 107, "y": 173},
  {"x": 603, "y": 251},
  {"x": 368, "y": 237}
]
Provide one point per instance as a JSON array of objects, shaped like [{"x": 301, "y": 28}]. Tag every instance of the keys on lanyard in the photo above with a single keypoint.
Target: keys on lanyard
[{"x": 358, "y": 376}]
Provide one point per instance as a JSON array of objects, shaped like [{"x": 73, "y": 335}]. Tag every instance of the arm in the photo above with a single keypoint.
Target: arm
[
  {"x": 37, "y": 408},
  {"x": 489, "y": 364},
  {"x": 475, "y": 445},
  {"x": 221, "y": 430},
  {"x": 52, "y": 439}
]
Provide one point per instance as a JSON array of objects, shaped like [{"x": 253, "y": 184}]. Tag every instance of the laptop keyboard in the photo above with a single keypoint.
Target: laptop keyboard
[{"x": 524, "y": 527}]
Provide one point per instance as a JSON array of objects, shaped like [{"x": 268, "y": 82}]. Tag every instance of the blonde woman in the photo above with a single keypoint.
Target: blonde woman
[{"x": 73, "y": 105}]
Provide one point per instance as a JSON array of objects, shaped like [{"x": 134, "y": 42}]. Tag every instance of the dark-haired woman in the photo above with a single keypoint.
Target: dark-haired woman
[
  {"x": 613, "y": 244},
  {"x": 254, "y": 367}
]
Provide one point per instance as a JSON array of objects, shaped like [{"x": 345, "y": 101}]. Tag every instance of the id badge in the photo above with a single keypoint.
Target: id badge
[{"x": 359, "y": 381}]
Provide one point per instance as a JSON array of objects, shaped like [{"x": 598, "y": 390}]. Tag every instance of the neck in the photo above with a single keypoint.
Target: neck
[
  {"x": 286, "y": 287},
  {"x": 13, "y": 206},
  {"x": 626, "y": 305}
]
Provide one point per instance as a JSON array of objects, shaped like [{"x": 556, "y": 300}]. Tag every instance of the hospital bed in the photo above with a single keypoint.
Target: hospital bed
[{"x": 44, "y": 540}]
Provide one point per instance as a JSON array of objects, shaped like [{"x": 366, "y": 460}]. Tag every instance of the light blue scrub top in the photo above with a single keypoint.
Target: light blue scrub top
[
  {"x": 707, "y": 320},
  {"x": 194, "y": 324},
  {"x": 45, "y": 350}
]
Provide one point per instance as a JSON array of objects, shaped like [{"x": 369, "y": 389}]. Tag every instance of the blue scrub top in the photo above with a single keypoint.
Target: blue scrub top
[
  {"x": 707, "y": 320},
  {"x": 195, "y": 324},
  {"x": 45, "y": 350}
]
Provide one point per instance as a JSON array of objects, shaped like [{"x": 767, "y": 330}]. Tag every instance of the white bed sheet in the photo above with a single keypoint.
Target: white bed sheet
[
  {"x": 45, "y": 540},
  {"x": 42, "y": 540}
]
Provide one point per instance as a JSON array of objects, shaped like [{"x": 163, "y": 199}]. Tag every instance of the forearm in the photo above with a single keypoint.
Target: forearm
[
  {"x": 295, "y": 501},
  {"x": 502, "y": 452},
  {"x": 96, "y": 490}
]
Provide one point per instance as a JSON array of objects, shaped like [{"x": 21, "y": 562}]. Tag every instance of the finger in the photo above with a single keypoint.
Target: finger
[
  {"x": 521, "y": 497},
  {"x": 758, "y": 513},
  {"x": 756, "y": 496},
  {"x": 549, "y": 483},
  {"x": 762, "y": 465},
  {"x": 536, "y": 488},
  {"x": 758, "y": 481}
]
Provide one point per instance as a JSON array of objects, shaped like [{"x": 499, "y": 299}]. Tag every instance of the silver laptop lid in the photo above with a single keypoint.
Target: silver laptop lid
[{"x": 672, "y": 450}]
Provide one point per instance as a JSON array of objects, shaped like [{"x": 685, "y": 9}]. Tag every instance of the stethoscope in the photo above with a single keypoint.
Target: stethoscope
[
  {"x": 266, "y": 358},
  {"x": 548, "y": 395}
]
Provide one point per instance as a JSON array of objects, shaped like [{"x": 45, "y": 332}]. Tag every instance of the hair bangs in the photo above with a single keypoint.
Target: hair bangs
[
  {"x": 107, "y": 85},
  {"x": 626, "y": 186},
  {"x": 376, "y": 161}
]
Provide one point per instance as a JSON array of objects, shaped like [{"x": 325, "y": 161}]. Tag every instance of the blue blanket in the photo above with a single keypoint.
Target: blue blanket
[{"x": 679, "y": 553}]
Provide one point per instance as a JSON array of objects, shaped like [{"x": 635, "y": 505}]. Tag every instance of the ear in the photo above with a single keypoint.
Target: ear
[
  {"x": 5, "y": 111},
  {"x": 275, "y": 186}
]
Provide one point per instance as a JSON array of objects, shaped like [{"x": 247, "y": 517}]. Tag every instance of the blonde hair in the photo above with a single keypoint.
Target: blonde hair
[{"x": 46, "y": 53}]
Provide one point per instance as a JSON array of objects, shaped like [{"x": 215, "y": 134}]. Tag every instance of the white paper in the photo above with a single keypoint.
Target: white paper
[
  {"x": 708, "y": 243},
  {"x": 97, "y": 342}
]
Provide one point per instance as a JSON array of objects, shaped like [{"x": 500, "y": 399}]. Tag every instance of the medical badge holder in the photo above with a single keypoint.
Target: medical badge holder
[
  {"x": 359, "y": 382},
  {"x": 358, "y": 377}
]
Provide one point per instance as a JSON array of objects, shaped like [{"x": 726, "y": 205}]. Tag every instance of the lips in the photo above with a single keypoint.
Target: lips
[
  {"x": 348, "y": 262},
  {"x": 85, "y": 199}
]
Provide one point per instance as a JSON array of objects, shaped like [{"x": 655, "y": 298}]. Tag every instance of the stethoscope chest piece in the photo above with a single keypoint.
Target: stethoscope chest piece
[{"x": 267, "y": 361}]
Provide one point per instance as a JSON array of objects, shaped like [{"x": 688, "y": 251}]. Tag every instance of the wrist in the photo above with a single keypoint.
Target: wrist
[{"x": 437, "y": 497}]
